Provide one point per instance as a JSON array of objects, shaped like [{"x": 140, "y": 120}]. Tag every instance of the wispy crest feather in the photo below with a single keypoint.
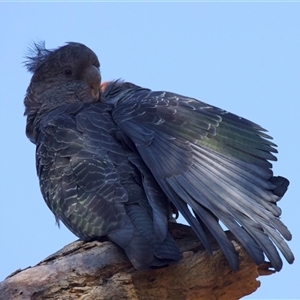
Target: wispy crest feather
[{"x": 36, "y": 55}]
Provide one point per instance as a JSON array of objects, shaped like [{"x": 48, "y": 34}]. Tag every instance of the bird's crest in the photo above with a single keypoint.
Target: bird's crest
[{"x": 36, "y": 54}]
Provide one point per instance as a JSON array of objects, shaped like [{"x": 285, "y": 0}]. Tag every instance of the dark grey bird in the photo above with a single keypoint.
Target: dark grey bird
[{"x": 114, "y": 158}]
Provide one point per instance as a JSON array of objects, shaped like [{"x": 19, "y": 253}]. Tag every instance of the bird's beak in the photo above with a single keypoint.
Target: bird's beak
[{"x": 93, "y": 78}]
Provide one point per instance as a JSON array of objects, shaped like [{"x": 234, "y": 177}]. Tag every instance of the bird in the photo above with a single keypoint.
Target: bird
[{"x": 116, "y": 160}]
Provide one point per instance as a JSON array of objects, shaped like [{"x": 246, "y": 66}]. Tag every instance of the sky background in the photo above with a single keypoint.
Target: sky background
[{"x": 242, "y": 57}]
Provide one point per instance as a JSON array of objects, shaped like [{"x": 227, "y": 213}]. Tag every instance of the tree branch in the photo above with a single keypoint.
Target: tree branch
[{"x": 101, "y": 270}]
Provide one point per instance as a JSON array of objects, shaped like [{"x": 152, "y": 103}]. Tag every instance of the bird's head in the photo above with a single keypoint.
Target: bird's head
[{"x": 64, "y": 75}]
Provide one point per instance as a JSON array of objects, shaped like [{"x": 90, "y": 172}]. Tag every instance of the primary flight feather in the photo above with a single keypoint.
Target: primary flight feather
[{"x": 112, "y": 158}]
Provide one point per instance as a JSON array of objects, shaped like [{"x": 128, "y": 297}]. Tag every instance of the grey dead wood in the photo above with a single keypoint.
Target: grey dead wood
[{"x": 100, "y": 270}]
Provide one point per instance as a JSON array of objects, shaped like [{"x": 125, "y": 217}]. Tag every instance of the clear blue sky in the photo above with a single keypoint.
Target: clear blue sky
[{"x": 242, "y": 57}]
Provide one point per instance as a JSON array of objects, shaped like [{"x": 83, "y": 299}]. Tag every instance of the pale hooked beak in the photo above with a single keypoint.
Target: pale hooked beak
[{"x": 93, "y": 78}]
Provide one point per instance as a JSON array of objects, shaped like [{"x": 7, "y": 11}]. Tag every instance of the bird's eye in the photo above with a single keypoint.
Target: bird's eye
[{"x": 68, "y": 72}]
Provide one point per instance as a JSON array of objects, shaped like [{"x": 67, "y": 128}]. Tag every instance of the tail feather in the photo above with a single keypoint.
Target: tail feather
[{"x": 142, "y": 246}]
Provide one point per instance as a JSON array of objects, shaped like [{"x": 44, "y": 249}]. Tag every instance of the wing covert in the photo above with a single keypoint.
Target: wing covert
[{"x": 78, "y": 178}]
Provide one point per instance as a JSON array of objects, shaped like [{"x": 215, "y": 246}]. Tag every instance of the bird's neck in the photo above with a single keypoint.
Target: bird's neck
[{"x": 114, "y": 91}]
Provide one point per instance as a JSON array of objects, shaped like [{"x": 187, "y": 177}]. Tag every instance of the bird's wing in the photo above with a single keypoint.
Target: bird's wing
[
  {"x": 213, "y": 163},
  {"x": 78, "y": 179}
]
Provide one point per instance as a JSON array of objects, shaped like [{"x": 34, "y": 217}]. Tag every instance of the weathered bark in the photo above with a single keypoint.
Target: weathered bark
[{"x": 100, "y": 270}]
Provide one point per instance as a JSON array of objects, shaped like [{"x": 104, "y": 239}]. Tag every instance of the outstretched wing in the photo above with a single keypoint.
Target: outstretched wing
[
  {"x": 212, "y": 162},
  {"x": 95, "y": 187}
]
